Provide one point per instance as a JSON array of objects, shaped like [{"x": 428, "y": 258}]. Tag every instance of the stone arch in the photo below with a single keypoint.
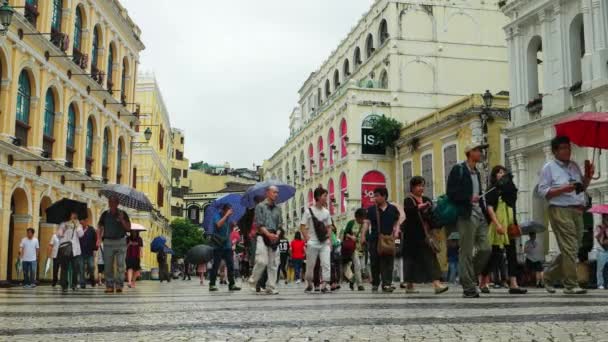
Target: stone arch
[
  {"x": 45, "y": 202},
  {"x": 419, "y": 77},
  {"x": 383, "y": 34},
  {"x": 369, "y": 46},
  {"x": 33, "y": 73},
  {"x": 535, "y": 69},
  {"x": 468, "y": 30},
  {"x": 20, "y": 219},
  {"x": 577, "y": 49},
  {"x": 5, "y": 62},
  {"x": 84, "y": 8},
  {"x": 417, "y": 24}
]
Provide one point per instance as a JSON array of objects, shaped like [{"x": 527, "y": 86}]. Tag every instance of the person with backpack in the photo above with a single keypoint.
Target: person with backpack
[
  {"x": 464, "y": 191},
  {"x": 352, "y": 250},
  {"x": 563, "y": 186},
  {"x": 314, "y": 226}
]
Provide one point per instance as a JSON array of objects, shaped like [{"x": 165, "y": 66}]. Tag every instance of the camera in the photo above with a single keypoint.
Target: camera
[{"x": 579, "y": 187}]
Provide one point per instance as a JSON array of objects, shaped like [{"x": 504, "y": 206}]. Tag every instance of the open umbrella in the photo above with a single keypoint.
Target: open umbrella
[
  {"x": 127, "y": 197},
  {"x": 199, "y": 254},
  {"x": 59, "y": 211},
  {"x": 158, "y": 243},
  {"x": 258, "y": 191},
  {"x": 234, "y": 200},
  {"x": 532, "y": 227},
  {"x": 586, "y": 130},
  {"x": 601, "y": 209},
  {"x": 138, "y": 227}
]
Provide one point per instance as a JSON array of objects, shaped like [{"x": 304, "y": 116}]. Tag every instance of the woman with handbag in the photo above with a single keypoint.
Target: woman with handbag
[
  {"x": 503, "y": 230},
  {"x": 420, "y": 248},
  {"x": 69, "y": 233}
]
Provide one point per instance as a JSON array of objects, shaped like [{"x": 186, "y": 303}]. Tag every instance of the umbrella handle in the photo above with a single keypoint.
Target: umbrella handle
[{"x": 599, "y": 164}]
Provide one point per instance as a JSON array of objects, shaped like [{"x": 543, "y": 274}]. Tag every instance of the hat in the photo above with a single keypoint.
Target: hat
[{"x": 473, "y": 146}]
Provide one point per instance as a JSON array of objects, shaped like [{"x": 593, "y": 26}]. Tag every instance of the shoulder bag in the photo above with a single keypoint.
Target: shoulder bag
[
  {"x": 429, "y": 238},
  {"x": 386, "y": 243},
  {"x": 320, "y": 227},
  {"x": 65, "y": 248},
  {"x": 513, "y": 230}
]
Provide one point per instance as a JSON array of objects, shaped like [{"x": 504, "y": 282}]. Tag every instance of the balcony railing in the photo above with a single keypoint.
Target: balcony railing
[
  {"x": 21, "y": 130},
  {"x": 97, "y": 75},
  {"x": 47, "y": 145},
  {"x": 69, "y": 155},
  {"x": 31, "y": 13},
  {"x": 104, "y": 173}
]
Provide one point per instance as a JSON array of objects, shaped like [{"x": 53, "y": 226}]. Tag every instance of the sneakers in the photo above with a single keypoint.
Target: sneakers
[
  {"x": 374, "y": 288},
  {"x": 271, "y": 291},
  {"x": 360, "y": 288},
  {"x": 485, "y": 290},
  {"x": 119, "y": 290},
  {"x": 308, "y": 289},
  {"x": 575, "y": 291},
  {"x": 298, "y": 281},
  {"x": 252, "y": 285},
  {"x": 109, "y": 290},
  {"x": 440, "y": 290},
  {"x": 213, "y": 288},
  {"x": 550, "y": 289},
  {"x": 325, "y": 289},
  {"x": 517, "y": 290},
  {"x": 470, "y": 294},
  {"x": 387, "y": 289},
  {"x": 600, "y": 287},
  {"x": 233, "y": 288}
]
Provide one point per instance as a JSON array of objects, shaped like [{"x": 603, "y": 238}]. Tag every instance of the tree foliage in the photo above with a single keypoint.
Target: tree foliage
[
  {"x": 185, "y": 236},
  {"x": 387, "y": 130}
]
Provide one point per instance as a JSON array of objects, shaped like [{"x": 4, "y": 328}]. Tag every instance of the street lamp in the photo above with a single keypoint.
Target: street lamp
[
  {"x": 6, "y": 16},
  {"x": 488, "y": 99},
  {"x": 148, "y": 134}
]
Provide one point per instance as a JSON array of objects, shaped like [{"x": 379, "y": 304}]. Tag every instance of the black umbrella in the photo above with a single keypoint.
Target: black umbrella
[
  {"x": 199, "y": 254},
  {"x": 60, "y": 211},
  {"x": 532, "y": 227}
]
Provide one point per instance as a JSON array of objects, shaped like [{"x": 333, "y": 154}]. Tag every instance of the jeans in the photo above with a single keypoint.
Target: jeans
[
  {"x": 452, "y": 271},
  {"x": 602, "y": 259},
  {"x": 114, "y": 251},
  {"x": 29, "y": 272},
  {"x": 382, "y": 266},
  {"x": 220, "y": 254},
  {"x": 322, "y": 251},
  {"x": 68, "y": 263},
  {"x": 297, "y": 267},
  {"x": 87, "y": 263},
  {"x": 265, "y": 257}
]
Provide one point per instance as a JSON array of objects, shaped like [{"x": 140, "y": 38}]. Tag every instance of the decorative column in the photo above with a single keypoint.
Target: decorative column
[{"x": 36, "y": 122}]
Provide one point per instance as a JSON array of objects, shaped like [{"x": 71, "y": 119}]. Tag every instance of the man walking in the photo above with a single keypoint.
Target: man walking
[
  {"x": 464, "y": 190},
  {"x": 317, "y": 246},
  {"x": 29, "y": 251},
  {"x": 88, "y": 245},
  {"x": 113, "y": 227},
  {"x": 268, "y": 219},
  {"x": 223, "y": 251},
  {"x": 382, "y": 219},
  {"x": 563, "y": 185}
]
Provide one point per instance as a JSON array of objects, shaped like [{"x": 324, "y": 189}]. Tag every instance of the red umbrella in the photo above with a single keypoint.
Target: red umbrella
[{"x": 586, "y": 130}]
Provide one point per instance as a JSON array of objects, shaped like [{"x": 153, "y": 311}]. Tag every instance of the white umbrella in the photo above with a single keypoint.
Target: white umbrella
[
  {"x": 138, "y": 227},
  {"x": 47, "y": 266}
]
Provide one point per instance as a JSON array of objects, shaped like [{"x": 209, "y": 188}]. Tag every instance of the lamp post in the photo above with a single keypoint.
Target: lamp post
[
  {"x": 488, "y": 100},
  {"x": 6, "y": 16}
]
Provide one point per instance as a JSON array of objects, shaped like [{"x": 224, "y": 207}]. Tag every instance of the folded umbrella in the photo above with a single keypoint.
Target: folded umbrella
[
  {"x": 60, "y": 211},
  {"x": 127, "y": 197},
  {"x": 532, "y": 227},
  {"x": 47, "y": 266},
  {"x": 257, "y": 193},
  {"x": 158, "y": 243},
  {"x": 234, "y": 200},
  {"x": 601, "y": 209},
  {"x": 199, "y": 254}
]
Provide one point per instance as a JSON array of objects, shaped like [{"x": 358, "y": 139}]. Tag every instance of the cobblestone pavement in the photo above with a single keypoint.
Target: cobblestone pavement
[{"x": 185, "y": 311}]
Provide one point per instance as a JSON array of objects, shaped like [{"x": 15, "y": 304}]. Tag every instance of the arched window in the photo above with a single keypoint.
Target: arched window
[
  {"x": 89, "y": 147},
  {"x": 383, "y": 32},
  {"x": 577, "y": 49},
  {"x": 343, "y": 139},
  {"x": 384, "y": 80},
  {"x": 535, "y": 68},
  {"x": 336, "y": 80},
  {"x": 346, "y": 68},
  {"x": 357, "y": 57},
  {"x": 311, "y": 198},
  {"x": 56, "y": 16},
  {"x": 331, "y": 140},
  {"x": 343, "y": 192},
  {"x": 119, "y": 151},
  {"x": 331, "y": 189},
  {"x": 78, "y": 29},
  {"x": 303, "y": 164},
  {"x": 95, "y": 50},
  {"x": 49, "y": 122},
  {"x": 369, "y": 46},
  {"x": 311, "y": 159},
  {"x": 110, "y": 69},
  {"x": 123, "y": 81},
  {"x": 71, "y": 135},
  {"x": 24, "y": 92},
  {"x": 104, "y": 154},
  {"x": 321, "y": 153},
  {"x": 302, "y": 204},
  {"x": 327, "y": 89}
]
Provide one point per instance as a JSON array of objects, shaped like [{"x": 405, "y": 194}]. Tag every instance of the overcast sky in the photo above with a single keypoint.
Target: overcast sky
[{"x": 230, "y": 70}]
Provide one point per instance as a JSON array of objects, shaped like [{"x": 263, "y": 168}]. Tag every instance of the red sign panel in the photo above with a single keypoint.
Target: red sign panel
[{"x": 371, "y": 181}]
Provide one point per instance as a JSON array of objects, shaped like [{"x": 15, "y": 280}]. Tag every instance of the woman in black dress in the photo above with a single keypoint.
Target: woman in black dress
[{"x": 419, "y": 259}]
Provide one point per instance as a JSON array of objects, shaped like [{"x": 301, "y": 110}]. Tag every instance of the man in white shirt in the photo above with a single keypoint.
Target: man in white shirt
[
  {"x": 29, "y": 250},
  {"x": 52, "y": 252},
  {"x": 317, "y": 246}
]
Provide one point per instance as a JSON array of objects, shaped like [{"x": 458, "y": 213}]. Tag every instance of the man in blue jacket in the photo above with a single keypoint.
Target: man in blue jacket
[{"x": 465, "y": 191}]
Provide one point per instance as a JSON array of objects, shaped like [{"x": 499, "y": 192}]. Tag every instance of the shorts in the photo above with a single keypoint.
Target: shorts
[
  {"x": 100, "y": 268},
  {"x": 133, "y": 264},
  {"x": 534, "y": 266}
]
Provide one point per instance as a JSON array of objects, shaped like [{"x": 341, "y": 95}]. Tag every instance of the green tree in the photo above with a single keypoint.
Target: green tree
[
  {"x": 185, "y": 236},
  {"x": 387, "y": 130}
]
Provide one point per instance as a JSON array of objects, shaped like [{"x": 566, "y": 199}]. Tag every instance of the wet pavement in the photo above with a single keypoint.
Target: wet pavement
[{"x": 185, "y": 311}]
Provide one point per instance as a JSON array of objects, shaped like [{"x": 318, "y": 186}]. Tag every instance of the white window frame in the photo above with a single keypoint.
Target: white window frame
[
  {"x": 422, "y": 155},
  {"x": 443, "y": 147}
]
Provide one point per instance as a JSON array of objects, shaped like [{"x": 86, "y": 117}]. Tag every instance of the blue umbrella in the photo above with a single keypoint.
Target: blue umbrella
[
  {"x": 234, "y": 200},
  {"x": 158, "y": 243},
  {"x": 258, "y": 191}
]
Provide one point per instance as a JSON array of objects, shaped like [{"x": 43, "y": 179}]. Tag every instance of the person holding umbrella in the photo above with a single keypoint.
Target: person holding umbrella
[
  {"x": 563, "y": 185},
  {"x": 69, "y": 234},
  {"x": 113, "y": 227},
  {"x": 223, "y": 248}
]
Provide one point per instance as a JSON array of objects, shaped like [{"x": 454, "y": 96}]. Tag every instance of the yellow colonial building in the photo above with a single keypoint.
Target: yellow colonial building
[
  {"x": 180, "y": 181},
  {"x": 67, "y": 73},
  {"x": 152, "y": 164}
]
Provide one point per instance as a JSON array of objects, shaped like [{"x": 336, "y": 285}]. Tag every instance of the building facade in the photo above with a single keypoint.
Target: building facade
[
  {"x": 389, "y": 64},
  {"x": 180, "y": 181},
  {"x": 558, "y": 54},
  {"x": 152, "y": 165},
  {"x": 67, "y": 73}
]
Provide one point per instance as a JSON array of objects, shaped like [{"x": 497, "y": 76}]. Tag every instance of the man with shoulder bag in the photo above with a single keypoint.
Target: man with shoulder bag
[
  {"x": 380, "y": 230},
  {"x": 318, "y": 243}
]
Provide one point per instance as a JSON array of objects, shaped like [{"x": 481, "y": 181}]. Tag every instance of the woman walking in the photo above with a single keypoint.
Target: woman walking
[
  {"x": 284, "y": 256},
  {"x": 501, "y": 201},
  {"x": 69, "y": 233},
  {"x": 298, "y": 254},
  {"x": 419, "y": 256},
  {"x": 134, "y": 253}
]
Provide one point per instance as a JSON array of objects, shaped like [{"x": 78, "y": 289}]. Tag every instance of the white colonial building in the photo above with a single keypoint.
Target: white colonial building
[
  {"x": 403, "y": 59},
  {"x": 558, "y": 54}
]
